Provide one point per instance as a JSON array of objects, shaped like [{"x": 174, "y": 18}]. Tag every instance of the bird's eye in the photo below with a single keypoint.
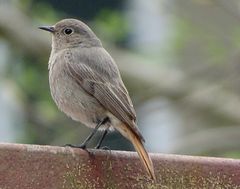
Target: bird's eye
[{"x": 68, "y": 31}]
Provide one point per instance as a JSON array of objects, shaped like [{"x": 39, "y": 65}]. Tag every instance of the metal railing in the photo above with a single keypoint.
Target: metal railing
[{"x": 49, "y": 167}]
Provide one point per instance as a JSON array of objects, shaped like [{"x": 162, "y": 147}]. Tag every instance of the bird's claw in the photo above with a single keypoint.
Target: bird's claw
[{"x": 82, "y": 146}]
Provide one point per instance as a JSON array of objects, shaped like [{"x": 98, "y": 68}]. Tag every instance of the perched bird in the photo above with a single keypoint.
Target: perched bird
[{"x": 86, "y": 85}]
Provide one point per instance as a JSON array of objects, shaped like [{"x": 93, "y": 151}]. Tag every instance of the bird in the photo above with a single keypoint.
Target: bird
[{"x": 86, "y": 85}]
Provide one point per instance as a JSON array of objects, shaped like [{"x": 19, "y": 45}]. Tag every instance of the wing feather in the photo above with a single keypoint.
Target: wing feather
[{"x": 111, "y": 96}]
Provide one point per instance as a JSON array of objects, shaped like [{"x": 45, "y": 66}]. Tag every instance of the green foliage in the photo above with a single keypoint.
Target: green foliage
[
  {"x": 111, "y": 26},
  {"x": 183, "y": 32},
  {"x": 41, "y": 11},
  {"x": 236, "y": 37},
  {"x": 203, "y": 40},
  {"x": 231, "y": 154}
]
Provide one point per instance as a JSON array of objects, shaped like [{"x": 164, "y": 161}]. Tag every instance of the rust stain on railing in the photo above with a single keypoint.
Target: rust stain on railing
[{"x": 50, "y": 167}]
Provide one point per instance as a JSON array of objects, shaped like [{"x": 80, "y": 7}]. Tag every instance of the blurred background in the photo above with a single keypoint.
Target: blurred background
[{"x": 180, "y": 60}]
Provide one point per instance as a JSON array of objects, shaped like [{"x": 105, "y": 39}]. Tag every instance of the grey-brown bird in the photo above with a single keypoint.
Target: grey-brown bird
[{"x": 86, "y": 85}]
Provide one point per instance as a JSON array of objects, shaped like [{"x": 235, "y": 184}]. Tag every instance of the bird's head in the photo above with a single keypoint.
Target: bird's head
[{"x": 70, "y": 33}]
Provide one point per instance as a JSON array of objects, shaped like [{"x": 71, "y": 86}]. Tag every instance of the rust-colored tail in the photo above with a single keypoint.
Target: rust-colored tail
[{"x": 138, "y": 145}]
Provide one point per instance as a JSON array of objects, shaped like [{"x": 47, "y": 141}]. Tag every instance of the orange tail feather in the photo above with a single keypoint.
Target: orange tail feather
[{"x": 138, "y": 145}]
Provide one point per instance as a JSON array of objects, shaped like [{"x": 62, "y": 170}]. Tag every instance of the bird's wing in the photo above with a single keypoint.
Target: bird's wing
[{"x": 113, "y": 97}]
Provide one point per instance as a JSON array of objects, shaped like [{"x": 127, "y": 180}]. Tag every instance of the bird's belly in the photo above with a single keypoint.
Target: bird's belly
[{"x": 74, "y": 101}]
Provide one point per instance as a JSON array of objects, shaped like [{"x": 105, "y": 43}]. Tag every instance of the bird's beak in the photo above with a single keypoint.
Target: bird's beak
[{"x": 47, "y": 28}]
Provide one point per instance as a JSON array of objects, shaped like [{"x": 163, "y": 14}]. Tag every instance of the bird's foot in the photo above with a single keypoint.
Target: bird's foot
[
  {"x": 103, "y": 148},
  {"x": 97, "y": 147},
  {"x": 82, "y": 146}
]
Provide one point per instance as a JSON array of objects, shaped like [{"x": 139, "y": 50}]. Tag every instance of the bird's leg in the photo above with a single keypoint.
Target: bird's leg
[
  {"x": 84, "y": 144},
  {"x": 101, "y": 139}
]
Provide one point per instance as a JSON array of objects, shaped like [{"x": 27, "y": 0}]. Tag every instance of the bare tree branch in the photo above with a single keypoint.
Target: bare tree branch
[{"x": 21, "y": 32}]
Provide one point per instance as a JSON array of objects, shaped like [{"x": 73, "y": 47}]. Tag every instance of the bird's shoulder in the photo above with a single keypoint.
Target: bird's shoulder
[{"x": 96, "y": 59}]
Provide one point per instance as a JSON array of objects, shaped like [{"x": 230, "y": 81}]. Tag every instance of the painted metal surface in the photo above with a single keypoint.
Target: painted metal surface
[{"x": 49, "y": 167}]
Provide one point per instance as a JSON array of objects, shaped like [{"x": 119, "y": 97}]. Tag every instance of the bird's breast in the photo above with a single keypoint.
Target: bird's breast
[{"x": 71, "y": 98}]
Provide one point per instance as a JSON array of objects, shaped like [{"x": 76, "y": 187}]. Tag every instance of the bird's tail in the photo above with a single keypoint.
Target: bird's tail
[{"x": 139, "y": 147}]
